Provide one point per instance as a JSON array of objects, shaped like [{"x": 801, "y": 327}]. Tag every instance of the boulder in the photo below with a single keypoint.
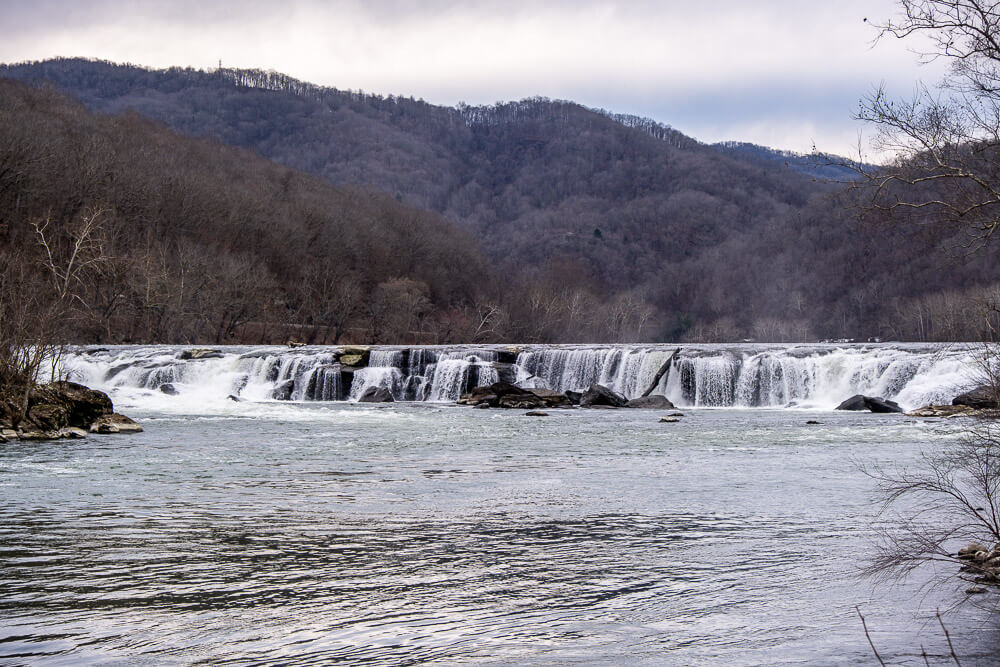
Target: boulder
[
  {"x": 353, "y": 360},
  {"x": 669, "y": 420},
  {"x": 870, "y": 403},
  {"x": 969, "y": 552},
  {"x": 55, "y": 406},
  {"x": 536, "y": 413},
  {"x": 200, "y": 353},
  {"x": 376, "y": 395},
  {"x": 601, "y": 395},
  {"x": 115, "y": 423},
  {"x": 574, "y": 397},
  {"x": 355, "y": 356},
  {"x": 168, "y": 389},
  {"x": 981, "y": 398},
  {"x": 856, "y": 402},
  {"x": 654, "y": 402},
  {"x": 882, "y": 405},
  {"x": 942, "y": 411}
]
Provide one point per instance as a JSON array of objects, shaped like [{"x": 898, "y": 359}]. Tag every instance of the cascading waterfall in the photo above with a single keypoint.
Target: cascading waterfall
[{"x": 701, "y": 376}]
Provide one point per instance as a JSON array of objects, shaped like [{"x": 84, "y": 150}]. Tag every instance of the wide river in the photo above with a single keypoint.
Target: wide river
[{"x": 317, "y": 532}]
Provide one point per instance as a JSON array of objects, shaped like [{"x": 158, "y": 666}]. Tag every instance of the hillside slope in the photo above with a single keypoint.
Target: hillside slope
[
  {"x": 193, "y": 241},
  {"x": 585, "y": 210}
]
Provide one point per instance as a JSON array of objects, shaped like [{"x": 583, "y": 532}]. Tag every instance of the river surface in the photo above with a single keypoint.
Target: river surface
[{"x": 312, "y": 532}]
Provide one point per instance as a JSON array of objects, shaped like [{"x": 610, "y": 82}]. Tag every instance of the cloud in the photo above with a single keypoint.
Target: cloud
[{"x": 710, "y": 70}]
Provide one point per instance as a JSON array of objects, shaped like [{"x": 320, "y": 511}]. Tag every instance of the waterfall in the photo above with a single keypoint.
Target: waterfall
[{"x": 701, "y": 376}]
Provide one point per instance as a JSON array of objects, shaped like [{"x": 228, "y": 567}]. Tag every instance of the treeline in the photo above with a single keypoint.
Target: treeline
[{"x": 600, "y": 227}]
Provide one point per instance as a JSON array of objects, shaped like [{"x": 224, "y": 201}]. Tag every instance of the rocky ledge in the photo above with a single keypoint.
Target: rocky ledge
[
  {"x": 60, "y": 410},
  {"x": 507, "y": 395},
  {"x": 979, "y": 402}
]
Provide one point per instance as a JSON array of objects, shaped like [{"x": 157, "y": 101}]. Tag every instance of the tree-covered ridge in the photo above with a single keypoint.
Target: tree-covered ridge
[
  {"x": 604, "y": 227},
  {"x": 191, "y": 240}
]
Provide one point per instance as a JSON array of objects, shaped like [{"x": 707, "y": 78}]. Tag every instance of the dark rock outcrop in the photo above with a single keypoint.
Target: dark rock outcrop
[
  {"x": 856, "y": 402},
  {"x": 59, "y": 410},
  {"x": 870, "y": 403},
  {"x": 882, "y": 405},
  {"x": 507, "y": 395},
  {"x": 654, "y": 402},
  {"x": 376, "y": 395},
  {"x": 599, "y": 395},
  {"x": 168, "y": 389},
  {"x": 61, "y": 404},
  {"x": 981, "y": 398}
]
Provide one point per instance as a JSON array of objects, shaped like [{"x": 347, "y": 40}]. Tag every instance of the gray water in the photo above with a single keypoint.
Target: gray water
[{"x": 315, "y": 532}]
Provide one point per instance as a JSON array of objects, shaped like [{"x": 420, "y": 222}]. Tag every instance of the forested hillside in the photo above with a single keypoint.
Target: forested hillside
[
  {"x": 603, "y": 226},
  {"x": 162, "y": 238}
]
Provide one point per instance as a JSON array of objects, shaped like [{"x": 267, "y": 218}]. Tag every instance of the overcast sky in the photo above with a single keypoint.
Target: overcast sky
[{"x": 785, "y": 73}]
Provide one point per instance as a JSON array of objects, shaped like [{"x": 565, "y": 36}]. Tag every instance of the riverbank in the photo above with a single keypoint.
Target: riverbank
[{"x": 57, "y": 411}]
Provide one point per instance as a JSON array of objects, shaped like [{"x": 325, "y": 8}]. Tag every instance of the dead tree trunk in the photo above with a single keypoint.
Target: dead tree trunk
[{"x": 660, "y": 373}]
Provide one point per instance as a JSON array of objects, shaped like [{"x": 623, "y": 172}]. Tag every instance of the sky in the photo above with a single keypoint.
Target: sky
[{"x": 785, "y": 73}]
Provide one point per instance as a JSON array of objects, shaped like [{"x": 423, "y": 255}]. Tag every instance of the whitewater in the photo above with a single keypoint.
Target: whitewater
[{"x": 808, "y": 376}]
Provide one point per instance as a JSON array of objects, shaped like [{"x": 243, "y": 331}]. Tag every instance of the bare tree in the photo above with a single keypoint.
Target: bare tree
[
  {"x": 33, "y": 311},
  {"x": 951, "y": 500},
  {"x": 944, "y": 141}
]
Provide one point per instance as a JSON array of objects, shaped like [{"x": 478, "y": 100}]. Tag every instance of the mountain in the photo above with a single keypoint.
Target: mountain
[
  {"x": 158, "y": 237},
  {"x": 610, "y": 226}
]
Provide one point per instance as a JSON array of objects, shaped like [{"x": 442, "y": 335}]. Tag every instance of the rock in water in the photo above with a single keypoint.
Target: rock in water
[
  {"x": 376, "y": 395},
  {"x": 168, "y": 389},
  {"x": 654, "y": 402},
  {"x": 981, "y": 398},
  {"x": 115, "y": 423},
  {"x": 599, "y": 395},
  {"x": 871, "y": 403},
  {"x": 536, "y": 413},
  {"x": 856, "y": 402},
  {"x": 942, "y": 411},
  {"x": 882, "y": 405},
  {"x": 669, "y": 420},
  {"x": 505, "y": 395}
]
